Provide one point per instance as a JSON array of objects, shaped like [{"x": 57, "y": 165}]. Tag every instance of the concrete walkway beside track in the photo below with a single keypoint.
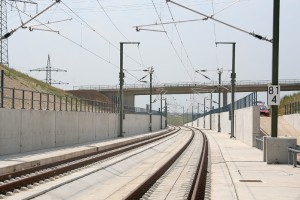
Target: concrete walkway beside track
[
  {"x": 238, "y": 172},
  {"x": 17, "y": 162}
]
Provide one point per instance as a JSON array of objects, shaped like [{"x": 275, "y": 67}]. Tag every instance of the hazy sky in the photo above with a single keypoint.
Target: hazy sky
[{"x": 88, "y": 45}]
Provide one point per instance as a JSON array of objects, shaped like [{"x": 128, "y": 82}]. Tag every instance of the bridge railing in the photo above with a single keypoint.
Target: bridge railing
[
  {"x": 184, "y": 84},
  {"x": 32, "y": 100}
]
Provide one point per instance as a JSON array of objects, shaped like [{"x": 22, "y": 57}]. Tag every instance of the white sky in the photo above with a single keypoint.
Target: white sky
[{"x": 94, "y": 59}]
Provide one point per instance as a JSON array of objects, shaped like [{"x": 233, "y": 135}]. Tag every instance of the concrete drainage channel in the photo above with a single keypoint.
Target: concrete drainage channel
[{"x": 16, "y": 182}]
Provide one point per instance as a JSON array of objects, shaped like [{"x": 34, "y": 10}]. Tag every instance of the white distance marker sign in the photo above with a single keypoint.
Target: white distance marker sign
[{"x": 273, "y": 95}]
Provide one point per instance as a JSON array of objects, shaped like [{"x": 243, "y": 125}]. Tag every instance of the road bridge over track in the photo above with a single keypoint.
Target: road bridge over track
[{"x": 131, "y": 90}]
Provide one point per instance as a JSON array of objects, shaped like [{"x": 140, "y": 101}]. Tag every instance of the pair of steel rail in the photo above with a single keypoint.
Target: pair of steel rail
[{"x": 16, "y": 180}]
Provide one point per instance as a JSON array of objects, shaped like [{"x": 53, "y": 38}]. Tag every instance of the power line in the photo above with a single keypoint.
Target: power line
[
  {"x": 94, "y": 30},
  {"x": 133, "y": 6},
  {"x": 213, "y": 14},
  {"x": 104, "y": 10},
  {"x": 170, "y": 40},
  {"x": 8, "y": 34},
  {"x": 79, "y": 45},
  {"x": 112, "y": 21},
  {"x": 215, "y": 35},
  {"x": 224, "y": 23},
  {"x": 181, "y": 39},
  {"x": 173, "y": 22},
  {"x": 72, "y": 41}
]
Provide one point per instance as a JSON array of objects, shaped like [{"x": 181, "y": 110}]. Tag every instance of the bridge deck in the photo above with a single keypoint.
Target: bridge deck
[{"x": 188, "y": 88}]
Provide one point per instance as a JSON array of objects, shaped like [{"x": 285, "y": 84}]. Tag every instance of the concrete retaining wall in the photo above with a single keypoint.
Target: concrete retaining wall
[
  {"x": 293, "y": 120},
  {"x": 28, "y": 130},
  {"x": 247, "y": 124}
]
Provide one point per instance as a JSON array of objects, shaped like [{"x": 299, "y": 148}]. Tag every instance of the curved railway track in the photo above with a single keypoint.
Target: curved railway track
[
  {"x": 197, "y": 188},
  {"x": 189, "y": 143},
  {"x": 18, "y": 180}
]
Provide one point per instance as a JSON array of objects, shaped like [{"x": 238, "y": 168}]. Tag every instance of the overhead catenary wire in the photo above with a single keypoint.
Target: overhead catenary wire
[
  {"x": 94, "y": 30},
  {"x": 111, "y": 20},
  {"x": 213, "y": 14},
  {"x": 119, "y": 7},
  {"x": 8, "y": 34},
  {"x": 173, "y": 22},
  {"x": 88, "y": 50},
  {"x": 138, "y": 27},
  {"x": 70, "y": 40},
  {"x": 224, "y": 23},
  {"x": 19, "y": 13},
  {"x": 53, "y": 22},
  {"x": 116, "y": 27},
  {"x": 180, "y": 38},
  {"x": 75, "y": 43},
  {"x": 177, "y": 54}
]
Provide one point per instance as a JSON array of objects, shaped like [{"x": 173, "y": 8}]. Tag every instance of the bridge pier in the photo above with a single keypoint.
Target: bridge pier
[{"x": 129, "y": 99}]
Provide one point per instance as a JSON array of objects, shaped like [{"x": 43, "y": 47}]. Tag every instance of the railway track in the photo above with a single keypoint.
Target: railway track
[
  {"x": 134, "y": 171},
  {"x": 25, "y": 179},
  {"x": 195, "y": 189}
]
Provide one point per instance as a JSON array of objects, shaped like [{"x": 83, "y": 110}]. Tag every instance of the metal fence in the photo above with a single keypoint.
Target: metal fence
[
  {"x": 33, "y": 100},
  {"x": 292, "y": 108},
  {"x": 247, "y": 101}
]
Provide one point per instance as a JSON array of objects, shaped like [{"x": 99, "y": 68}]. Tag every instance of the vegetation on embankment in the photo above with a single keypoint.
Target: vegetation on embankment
[
  {"x": 177, "y": 119},
  {"x": 288, "y": 99},
  {"x": 19, "y": 80}
]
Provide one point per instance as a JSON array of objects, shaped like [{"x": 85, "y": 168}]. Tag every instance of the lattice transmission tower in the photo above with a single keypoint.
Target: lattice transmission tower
[
  {"x": 48, "y": 71},
  {"x": 4, "y": 42}
]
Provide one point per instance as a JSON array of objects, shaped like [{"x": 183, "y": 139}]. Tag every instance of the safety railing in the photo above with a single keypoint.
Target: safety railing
[
  {"x": 292, "y": 108},
  {"x": 292, "y": 155},
  {"x": 247, "y": 101},
  {"x": 32, "y": 100}
]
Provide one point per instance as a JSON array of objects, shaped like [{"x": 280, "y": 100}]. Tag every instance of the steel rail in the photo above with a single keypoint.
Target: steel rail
[
  {"x": 199, "y": 183},
  {"x": 67, "y": 166},
  {"x": 145, "y": 186},
  {"x": 197, "y": 191}
]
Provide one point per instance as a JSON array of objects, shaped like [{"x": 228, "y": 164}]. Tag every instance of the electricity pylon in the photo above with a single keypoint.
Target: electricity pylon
[
  {"x": 48, "y": 71},
  {"x": 3, "y": 30}
]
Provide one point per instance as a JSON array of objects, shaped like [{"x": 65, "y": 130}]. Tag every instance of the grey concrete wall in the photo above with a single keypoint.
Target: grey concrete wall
[
  {"x": 28, "y": 130},
  {"x": 247, "y": 124},
  {"x": 37, "y": 129},
  {"x": 293, "y": 120},
  {"x": 10, "y": 129},
  {"x": 275, "y": 149},
  {"x": 224, "y": 118}
]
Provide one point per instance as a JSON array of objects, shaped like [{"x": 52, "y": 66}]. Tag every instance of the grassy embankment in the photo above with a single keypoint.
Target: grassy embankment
[{"x": 28, "y": 82}]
